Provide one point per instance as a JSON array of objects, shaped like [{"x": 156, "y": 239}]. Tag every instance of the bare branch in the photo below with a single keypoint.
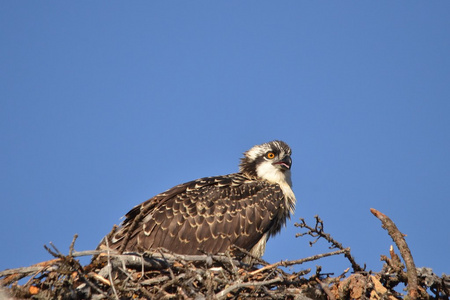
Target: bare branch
[
  {"x": 222, "y": 294},
  {"x": 110, "y": 269},
  {"x": 399, "y": 240},
  {"x": 72, "y": 245},
  {"x": 161, "y": 274},
  {"x": 318, "y": 233},
  {"x": 299, "y": 261}
]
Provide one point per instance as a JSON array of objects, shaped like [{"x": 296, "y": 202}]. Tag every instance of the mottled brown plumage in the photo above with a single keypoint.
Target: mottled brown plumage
[{"x": 210, "y": 214}]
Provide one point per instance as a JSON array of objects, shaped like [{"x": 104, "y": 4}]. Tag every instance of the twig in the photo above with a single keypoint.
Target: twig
[
  {"x": 155, "y": 280},
  {"x": 326, "y": 289},
  {"x": 318, "y": 233},
  {"x": 251, "y": 257},
  {"x": 146, "y": 293},
  {"x": 19, "y": 273},
  {"x": 299, "y": 261},
  {"x": 58, "y": 253},
  {"x": 72, "y": 245},
  {"x": 25, "y": 270},
  {"x": 233, "y": 266},
  {"x": 87, "y": 253},
  {"x": 170, "y": 256},
  {"x": 99, "y": 278},
  {"x": 110, "y": 269},
  {"x": 172, "y": 275},
  {"x": 399, "y": 240},
  {"x": 92, "y": 285},
  {"x": 222, "y": 294}
]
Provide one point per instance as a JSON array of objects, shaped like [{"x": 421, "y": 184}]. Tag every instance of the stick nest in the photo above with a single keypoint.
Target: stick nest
[{"x": 164, "y": 275}]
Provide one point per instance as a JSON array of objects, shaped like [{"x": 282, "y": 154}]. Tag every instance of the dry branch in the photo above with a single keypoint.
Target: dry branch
[
  {"x": 399, "y": 240},
  {"x": 317, "y": 232},
  {"x": 299, "y": 261},
  {"x": 164, "y": 275}
]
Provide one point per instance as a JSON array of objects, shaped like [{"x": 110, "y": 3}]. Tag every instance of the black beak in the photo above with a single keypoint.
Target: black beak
[{"x": 285, "y": 163}]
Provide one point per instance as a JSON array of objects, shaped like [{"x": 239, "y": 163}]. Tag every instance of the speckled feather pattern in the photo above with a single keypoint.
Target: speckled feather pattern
[{"x": 209, "y": 215}]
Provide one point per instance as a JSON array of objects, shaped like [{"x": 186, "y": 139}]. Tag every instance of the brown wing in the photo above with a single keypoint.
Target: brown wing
[{"x": 206, "y": 215}]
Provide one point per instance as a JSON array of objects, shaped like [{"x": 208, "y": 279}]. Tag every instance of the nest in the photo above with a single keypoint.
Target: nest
[{"x": 161, "y": 274}]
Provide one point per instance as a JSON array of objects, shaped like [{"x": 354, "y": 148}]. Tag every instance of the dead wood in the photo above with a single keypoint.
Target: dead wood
[
  {"x": 161, "y": 274},
  {"x": 399, "y": 240},
  {"x": 317, "y": 232}
]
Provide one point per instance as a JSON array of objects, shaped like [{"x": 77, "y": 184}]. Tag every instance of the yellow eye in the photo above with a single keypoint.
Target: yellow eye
[{"x": 270, "y": 155}]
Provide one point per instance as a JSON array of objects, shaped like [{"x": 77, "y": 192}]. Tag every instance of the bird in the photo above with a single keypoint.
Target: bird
[{"x": 216, "y": 214}]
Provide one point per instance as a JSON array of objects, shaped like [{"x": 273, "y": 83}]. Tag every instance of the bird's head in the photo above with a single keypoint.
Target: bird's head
[{"x": 270, "y": 161}]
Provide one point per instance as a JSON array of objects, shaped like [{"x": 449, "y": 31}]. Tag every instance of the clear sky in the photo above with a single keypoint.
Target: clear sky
[{"x": 104, "y": 104}]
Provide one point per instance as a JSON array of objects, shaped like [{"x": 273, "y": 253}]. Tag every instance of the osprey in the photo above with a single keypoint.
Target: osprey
[{"x": 211, "y": 214}]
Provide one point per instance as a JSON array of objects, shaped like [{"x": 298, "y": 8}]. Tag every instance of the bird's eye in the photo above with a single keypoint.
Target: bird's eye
[{"x": 270, "y": 155}]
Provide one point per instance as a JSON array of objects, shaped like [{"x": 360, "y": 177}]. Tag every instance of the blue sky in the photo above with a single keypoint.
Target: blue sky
[{"x": 105, "y": 104}]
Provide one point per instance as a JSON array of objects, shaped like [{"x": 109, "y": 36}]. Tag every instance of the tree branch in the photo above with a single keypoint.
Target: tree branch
[{"x": 399, "y": 240}]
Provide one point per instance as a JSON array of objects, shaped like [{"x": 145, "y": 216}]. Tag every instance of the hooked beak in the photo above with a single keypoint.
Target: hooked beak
[{"x": 285, "y": 163}]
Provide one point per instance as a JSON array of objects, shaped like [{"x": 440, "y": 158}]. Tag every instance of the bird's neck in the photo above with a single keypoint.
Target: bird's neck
[{"x": 283, "y": 179}]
